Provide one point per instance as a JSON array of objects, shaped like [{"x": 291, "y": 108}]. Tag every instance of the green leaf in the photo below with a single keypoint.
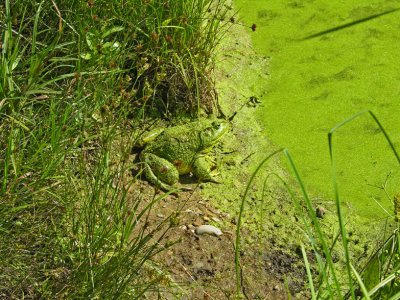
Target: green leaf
[
  {"x": 166, "y": 22},
  {"x": 89, "y": 40},
  {"x": 112, "y": 45},
  {"x": 86, "y": 56},
  {"x": 113, "y": 30}
]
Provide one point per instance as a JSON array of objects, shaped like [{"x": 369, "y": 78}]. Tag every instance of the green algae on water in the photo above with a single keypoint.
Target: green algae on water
[{"x": 317, "y": 83}]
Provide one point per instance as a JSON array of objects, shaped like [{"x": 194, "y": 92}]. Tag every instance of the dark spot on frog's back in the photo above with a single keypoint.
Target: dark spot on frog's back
[{"x": 178, "y": 163}]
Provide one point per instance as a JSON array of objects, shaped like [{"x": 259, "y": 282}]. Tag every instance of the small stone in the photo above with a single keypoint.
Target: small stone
[
  {"x": 190, "y": 227},
  {"x": 320, "y": 212},
  {"x": 276, "y": 288},
  {"x": 208, "y": 229},
  {"x": 225, "y": 215},
  {"x": 206, "y": 219},
  {"x": 198, "y": 265},
  {"x": 234, "y": 220},
  {"x": 197, "y": 223},
  {"x": 183, "y": 227},
  {"x": 160, "y": 216}
]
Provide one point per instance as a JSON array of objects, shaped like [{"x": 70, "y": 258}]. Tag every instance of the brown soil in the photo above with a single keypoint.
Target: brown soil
[{"x": 203, "y": 266}]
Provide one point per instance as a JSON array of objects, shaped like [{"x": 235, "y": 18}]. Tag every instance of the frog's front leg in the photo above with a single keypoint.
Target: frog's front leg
[
  {"x": 148, "y": 137},
  {"x": 159, "y": 171},
  {"x": 202, "y": 168}
]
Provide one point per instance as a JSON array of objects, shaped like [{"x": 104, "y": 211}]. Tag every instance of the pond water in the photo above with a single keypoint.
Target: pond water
[{"x": 318, "y": 82}]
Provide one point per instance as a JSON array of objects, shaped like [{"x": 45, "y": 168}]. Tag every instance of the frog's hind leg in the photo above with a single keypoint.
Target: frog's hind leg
[
  {"x": 159, "y": 171},
  {"x": 202, "y": 169}
]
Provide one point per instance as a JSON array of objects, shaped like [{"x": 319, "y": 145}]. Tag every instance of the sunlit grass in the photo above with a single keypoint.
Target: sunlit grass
[{"x": 76, "y": 77}]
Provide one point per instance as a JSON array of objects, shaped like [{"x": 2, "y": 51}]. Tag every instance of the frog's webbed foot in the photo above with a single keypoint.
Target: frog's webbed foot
[
  {"x": 159, "y": 171},
  {"x": 202, "y": 169}
]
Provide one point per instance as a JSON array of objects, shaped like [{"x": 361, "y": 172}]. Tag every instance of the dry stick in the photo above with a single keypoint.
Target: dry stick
[{"x": 59, "y": 16}]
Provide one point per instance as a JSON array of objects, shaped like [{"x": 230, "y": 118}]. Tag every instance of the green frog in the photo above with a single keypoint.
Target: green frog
[{"x": 180, "y": 150}]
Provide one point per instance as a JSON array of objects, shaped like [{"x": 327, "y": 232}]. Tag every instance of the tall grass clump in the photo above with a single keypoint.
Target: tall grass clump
[
  {"x": 76, "y": 78},
  {"x": 377, "y": 278},
  {"x": 169, "y": 48}
]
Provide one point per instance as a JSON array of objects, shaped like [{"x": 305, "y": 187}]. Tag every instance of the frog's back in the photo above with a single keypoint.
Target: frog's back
[{"x": 172, "y": 146}]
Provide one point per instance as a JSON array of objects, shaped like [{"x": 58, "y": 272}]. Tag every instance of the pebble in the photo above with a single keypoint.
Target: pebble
[
  {"x": 320, "y": 212},
  {"x": 197, "y": 223},
  {"x": 206, "y": 219},
  {"x": 208, "y": 229},
  {"x": 225, "y": 215},
  {"x": 160, "y": 216}
]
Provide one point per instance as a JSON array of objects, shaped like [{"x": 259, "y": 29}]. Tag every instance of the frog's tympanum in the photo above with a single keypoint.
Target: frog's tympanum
[{"x": 179, "y": 150}]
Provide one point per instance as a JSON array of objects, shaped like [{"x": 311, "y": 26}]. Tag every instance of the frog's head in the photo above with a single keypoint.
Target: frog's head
[{"x": 213, "y": 132}]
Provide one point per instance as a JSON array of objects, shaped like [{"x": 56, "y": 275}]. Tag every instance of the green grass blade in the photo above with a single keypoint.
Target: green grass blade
[
  {"x": 309, "y": 276},
  {"x": 239, "y": 221},
  {"x": 320, "y": 234},
  {"x": 395, "y": 297},
  {"x": 383, "y": 283},
  {"x": 360, "y": 282}
]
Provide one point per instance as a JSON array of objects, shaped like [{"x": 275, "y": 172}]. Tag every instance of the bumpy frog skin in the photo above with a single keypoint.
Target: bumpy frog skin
[{"x": 179, "y": 150}]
